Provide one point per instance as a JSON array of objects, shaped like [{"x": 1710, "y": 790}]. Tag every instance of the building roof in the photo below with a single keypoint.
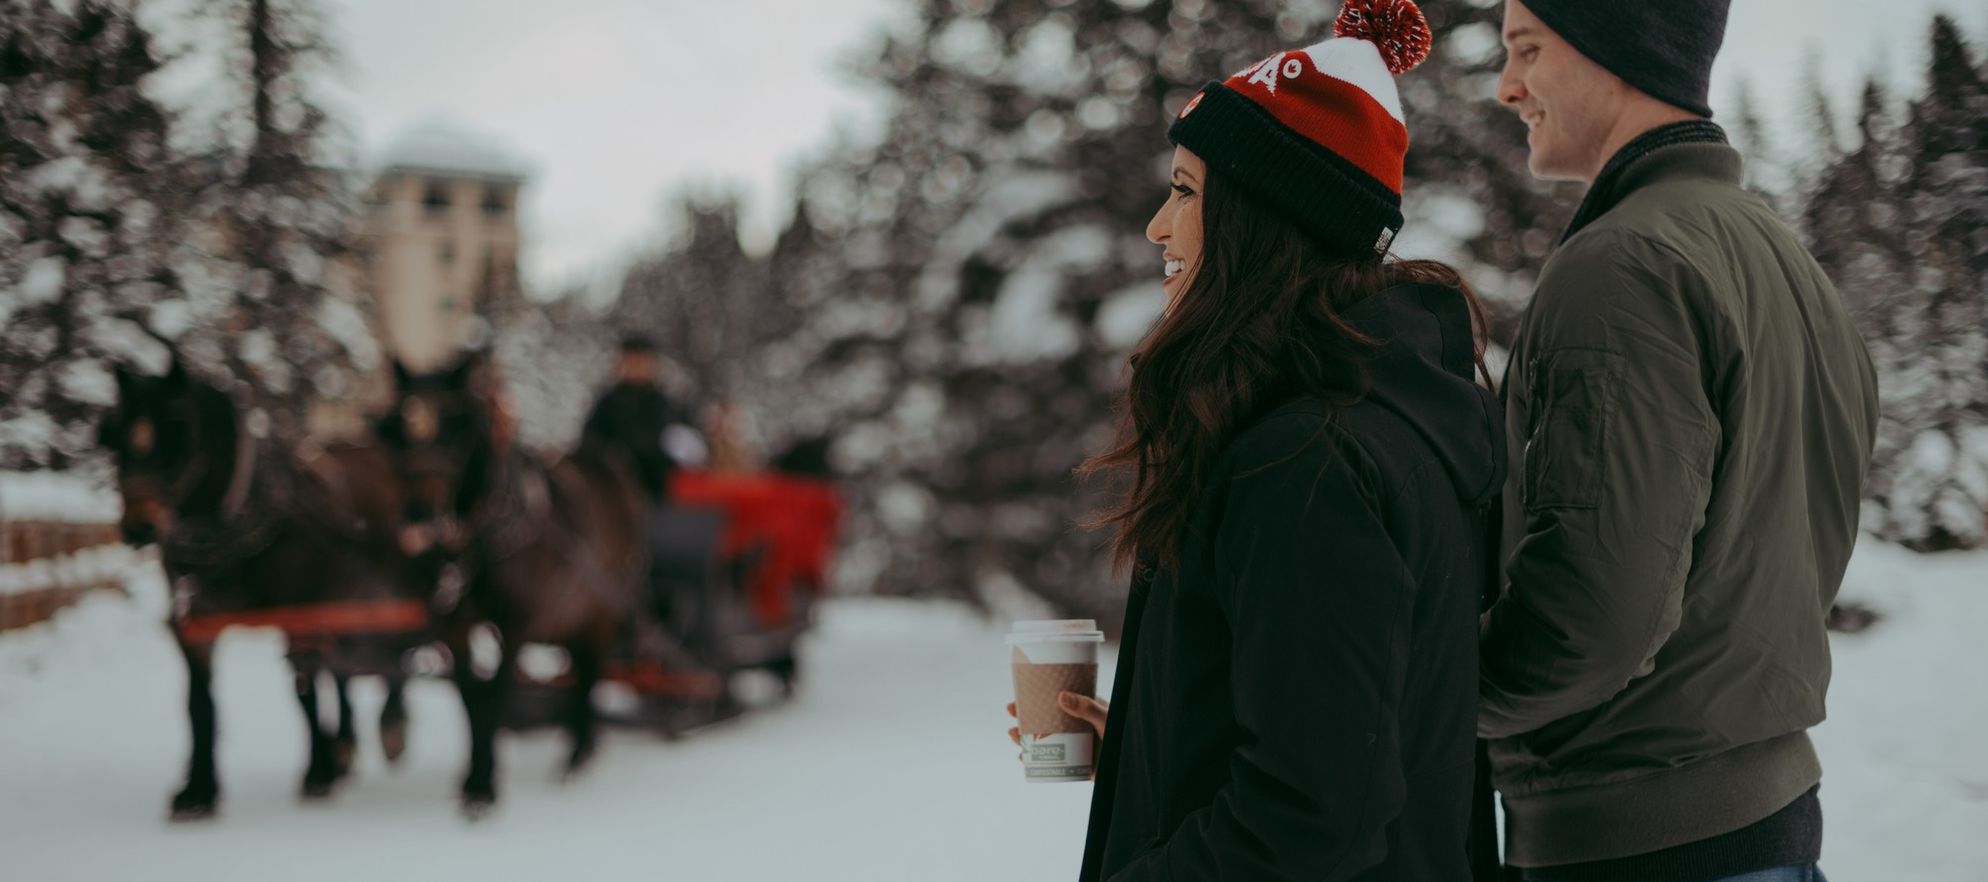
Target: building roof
[{"x": 440, "y": 147}]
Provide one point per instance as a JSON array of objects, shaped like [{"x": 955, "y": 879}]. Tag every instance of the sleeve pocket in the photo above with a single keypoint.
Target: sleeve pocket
[{"x": 1572, "y": 397}]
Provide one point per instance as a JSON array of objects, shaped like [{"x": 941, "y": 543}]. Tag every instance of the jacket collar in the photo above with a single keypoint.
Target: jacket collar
[{"x": 1690, "y": 149}]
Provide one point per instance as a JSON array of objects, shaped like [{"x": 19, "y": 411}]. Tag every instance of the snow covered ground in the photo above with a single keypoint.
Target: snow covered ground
[
  {"x": 889, "y": 766},
  {"x": 1905, "y": 749}
]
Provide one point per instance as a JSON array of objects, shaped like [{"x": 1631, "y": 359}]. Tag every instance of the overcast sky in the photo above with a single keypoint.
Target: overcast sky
[{"x": 614, "y": 104}]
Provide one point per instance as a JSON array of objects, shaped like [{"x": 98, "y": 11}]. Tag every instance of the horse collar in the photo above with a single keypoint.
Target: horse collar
[
  {"x": 244, "y": 525},
  {"x": 243, "y": 473}
]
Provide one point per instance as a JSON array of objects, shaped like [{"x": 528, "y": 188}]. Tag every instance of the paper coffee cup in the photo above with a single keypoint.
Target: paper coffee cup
[{"x": 1051, "y": 657}]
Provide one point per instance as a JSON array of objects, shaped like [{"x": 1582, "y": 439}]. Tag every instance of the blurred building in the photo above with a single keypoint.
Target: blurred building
[
  {"x": 439, "y": 242},
  {"x": 437, "y": 250}
]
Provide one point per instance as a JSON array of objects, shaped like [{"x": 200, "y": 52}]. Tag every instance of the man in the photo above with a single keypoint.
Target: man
[
  {"x": 635, "y": 413},
  {"x": 1692, "y": 413}
]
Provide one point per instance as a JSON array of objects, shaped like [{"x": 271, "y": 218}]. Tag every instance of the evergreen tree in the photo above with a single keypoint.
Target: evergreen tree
[
  {"x": 88, "y": 218},
  {"x": 1855, "y": 218},
  {"x": 554, "y": 357},
  {"x": 1470, "y": 195},
  {"x": 971, "y": 281},
  {"x": 549, "y": 354},
  {"x": 698, "y": 299},
  {"x": 1935, "y": 450},
  {"x": 280, "y": 213},
  {"x": 1897, "y": 223}
]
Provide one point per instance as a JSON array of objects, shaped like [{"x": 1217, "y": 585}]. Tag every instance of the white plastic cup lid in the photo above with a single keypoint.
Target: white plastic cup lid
[
  {"x": 1054, "y": 626},
  {"x": 1056, "y": 631}
]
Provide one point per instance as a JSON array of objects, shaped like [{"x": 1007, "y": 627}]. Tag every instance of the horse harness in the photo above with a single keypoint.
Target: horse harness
[
  {"x": 514, "y": 515},
  {"x": 261, "y": 495}
]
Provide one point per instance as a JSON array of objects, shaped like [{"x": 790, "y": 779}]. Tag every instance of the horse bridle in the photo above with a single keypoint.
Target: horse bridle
[{"x": 498, "y": 525}]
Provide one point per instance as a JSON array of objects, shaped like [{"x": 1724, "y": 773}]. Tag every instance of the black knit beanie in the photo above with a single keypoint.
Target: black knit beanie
[{"x": 1662, "y": 47}]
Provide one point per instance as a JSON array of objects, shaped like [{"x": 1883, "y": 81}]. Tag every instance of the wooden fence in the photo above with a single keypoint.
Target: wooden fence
[
  {"x": 46, "y": 566},
  {"x": 58, "y": 542}
]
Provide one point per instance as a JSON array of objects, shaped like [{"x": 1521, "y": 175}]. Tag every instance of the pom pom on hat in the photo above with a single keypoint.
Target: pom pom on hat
[{"x": 1395, "y": 27}]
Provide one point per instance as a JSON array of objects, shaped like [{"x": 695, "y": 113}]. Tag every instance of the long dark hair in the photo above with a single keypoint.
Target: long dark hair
[{"x": 1262, "y": 322}]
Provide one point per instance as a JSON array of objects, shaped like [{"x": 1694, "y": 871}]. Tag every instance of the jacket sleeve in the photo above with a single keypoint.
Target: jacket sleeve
[
  {"x": 1318, "y": 603},
  {"x": 1620, "y": 445}
]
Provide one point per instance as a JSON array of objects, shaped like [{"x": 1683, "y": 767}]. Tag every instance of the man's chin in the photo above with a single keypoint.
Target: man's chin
[{"x": 1543, "y": 168}]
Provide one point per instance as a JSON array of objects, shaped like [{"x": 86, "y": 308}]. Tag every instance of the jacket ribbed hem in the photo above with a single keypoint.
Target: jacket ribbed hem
[
  {"x": 1661, "y": 810},
  {"x": 1791, "y": 837}
]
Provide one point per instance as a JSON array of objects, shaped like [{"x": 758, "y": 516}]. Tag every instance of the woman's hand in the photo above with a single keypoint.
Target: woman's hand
[{"x": 1083, "y": 707}]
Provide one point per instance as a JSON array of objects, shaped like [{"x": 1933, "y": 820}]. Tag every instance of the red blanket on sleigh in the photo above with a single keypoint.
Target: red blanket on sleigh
[{"x": 793, "y": 518}]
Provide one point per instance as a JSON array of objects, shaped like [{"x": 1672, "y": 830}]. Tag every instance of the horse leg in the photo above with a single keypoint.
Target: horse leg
[
  {"x": 478, "y": 790},
  {"x": 788, "y": 669},
  {"x": 346, "y": 745},
  {"x": 196, "y": 801},
  {"x": 393, "y": 718},
  {"x": 580, "y": 717},
  {"x": 323, "y": 769},
  {"x": 484, "y": 702}
]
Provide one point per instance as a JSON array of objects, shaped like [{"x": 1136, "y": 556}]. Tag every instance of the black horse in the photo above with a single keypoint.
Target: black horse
[
  {"x": 245, "y": 528},
  {"x": 547, "y": 552}
]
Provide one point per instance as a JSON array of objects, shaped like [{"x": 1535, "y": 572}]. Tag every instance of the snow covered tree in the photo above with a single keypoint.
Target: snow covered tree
[
  {"x": 809, "y": 315},
  {"x": 963, "y": 355},
  {"x": 89, "y": 220},
  {"x": 1855, "y": 218},
  {"x": 1898, "y": 223},
  {"x": 554, "y": 357},
  {"x": 1936, "y": 465},
  {"x": 698, "y": 298},
  {"x": 1470, "y": 198},
  {"x": 970, "y": 282},
  {"x": 280, "y": 212}
]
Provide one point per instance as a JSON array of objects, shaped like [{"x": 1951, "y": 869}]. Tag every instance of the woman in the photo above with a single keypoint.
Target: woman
[{"x": 1310, "y": 460}]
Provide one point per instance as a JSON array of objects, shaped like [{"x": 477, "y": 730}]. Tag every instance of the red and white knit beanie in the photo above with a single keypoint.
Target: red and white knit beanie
[{"x": 1318, "y": 133}]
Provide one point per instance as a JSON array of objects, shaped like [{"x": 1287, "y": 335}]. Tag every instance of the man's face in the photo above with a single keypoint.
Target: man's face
[
  {"x": 637, "y": 367},
  {"x": 1568, "y": 102}
]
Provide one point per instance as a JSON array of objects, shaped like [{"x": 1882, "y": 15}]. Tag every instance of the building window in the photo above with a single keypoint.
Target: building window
[
  {"x": 495, "y": 203},
  {"x": 437, "y": 197}
]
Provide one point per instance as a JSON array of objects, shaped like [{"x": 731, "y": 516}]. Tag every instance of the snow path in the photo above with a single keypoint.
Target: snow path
[{"x": 891, "y": 764}]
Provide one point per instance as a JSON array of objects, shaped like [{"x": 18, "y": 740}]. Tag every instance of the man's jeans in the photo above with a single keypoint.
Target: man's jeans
[{"x": 1803, "y": 873}]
